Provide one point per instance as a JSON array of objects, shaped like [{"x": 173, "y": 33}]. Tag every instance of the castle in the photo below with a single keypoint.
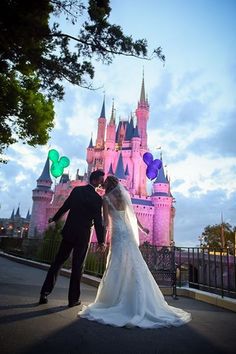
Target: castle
[
  {"x": 16, "y": 225},
  {"x": 118, "y": 150}
]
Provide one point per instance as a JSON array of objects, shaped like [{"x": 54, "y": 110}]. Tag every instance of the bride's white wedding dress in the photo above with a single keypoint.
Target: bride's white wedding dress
[{"x": 128, "y": 294}]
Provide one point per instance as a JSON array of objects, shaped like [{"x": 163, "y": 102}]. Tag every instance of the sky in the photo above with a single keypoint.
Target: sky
[{"x": 192, "y": 110}]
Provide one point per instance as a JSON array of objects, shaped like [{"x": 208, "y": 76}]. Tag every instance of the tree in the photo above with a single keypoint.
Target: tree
[
  {"x": 219, "y": 236},
  {"x": 36, "y": 57}
]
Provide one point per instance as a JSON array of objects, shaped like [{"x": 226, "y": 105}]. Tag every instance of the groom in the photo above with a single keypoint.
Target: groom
[{"x": 84, "y": 206}]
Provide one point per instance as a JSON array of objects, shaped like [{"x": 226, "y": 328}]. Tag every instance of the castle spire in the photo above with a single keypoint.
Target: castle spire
[
  {"x": 113, "y": 118},
  {"x": 120, "y": 172},
  {"x": 103, "y": 114},
  {"x": 45, "y": 175},
  {"x": 12, "y": 214},
  {"x": 161, "y": 178},
  {"x": 127, "y": 171},
  {"x": 17, "y": 215},
  {"x": 110, "y": 172},
  {"x": 142, "y": 95},
  {"x": 91, "y": 143},
  {"x": 101, "y": 127}
]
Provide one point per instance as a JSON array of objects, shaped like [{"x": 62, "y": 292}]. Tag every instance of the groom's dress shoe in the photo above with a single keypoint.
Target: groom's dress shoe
[
  {"x": 43, "y": 299},
  {"x": 76, "y": 303}
]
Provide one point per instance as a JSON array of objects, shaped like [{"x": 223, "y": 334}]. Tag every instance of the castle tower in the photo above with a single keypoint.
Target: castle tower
[
  {"x": 142, "y": 114},
  {"x": 110, "y": 141},
  {"x": 111, "y": 130},
  {"x": 135, "y": 155},
  {"x": 101, "y": 128},
  {"x": 162, "y": 201},
  {"x": 89, "y": 157},
  {"x": 42, "y": 196}
]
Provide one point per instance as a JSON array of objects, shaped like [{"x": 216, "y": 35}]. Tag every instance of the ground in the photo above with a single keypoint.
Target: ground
[{"x": 29, "y": 328}]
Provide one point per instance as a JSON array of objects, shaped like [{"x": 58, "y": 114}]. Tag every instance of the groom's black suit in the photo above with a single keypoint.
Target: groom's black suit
[{"x": 84, "y": 206}]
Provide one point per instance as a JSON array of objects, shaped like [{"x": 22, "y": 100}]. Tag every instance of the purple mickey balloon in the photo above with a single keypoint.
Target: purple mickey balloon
[
  {"x": 157, "y": 164},
  {"x": 152, "y": 165},
  {"x": 147, "y": 158},
  {"x": 151, "y": 172}
]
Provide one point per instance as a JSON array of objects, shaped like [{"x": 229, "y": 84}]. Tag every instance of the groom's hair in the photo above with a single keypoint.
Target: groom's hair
[{"x": 95, "y": 175}]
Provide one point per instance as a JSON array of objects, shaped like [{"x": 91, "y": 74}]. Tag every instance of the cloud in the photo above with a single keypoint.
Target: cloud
[
  {"x": 20, "y": 177},
  {"x": 222, "y": 140}
]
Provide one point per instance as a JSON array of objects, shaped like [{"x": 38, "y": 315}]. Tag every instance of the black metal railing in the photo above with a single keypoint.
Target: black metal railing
[
  {"x": 200, "y": 268},
  {"x": 207, "y": 269}
]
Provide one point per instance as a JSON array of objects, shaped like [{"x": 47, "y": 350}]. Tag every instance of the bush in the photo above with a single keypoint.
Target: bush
[{"x": 51, "y": 242}]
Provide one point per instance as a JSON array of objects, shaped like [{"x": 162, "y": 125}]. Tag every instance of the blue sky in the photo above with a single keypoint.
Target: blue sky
[{"x": 192, "y": 110}]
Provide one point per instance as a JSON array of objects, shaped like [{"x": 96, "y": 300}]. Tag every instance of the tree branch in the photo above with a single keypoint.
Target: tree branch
[{"x": 64, "y": 35}]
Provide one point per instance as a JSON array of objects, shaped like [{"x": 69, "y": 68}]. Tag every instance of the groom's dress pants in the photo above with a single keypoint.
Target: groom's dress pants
[{"x": 78, "y": 259}]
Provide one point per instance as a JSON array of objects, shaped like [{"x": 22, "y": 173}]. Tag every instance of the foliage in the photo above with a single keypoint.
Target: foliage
[
  {"x": 95, "y": 264},
  {"x": 51, "y": 242},
  {"x": 214, "y": 235},
  {"x": 37, "y": 56}
]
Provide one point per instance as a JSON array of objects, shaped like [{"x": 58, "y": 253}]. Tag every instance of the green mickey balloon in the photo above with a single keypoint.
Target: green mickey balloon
[
  {"x": 58, "y": 165},
  {"x": 53, "y": 155}
]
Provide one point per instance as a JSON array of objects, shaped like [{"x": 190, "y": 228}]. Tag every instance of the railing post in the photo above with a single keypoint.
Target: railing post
[{"x": 221, "y": 274}]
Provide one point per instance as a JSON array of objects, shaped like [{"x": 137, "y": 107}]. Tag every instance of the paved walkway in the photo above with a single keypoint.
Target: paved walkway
[{"x": 54, "y": 328}]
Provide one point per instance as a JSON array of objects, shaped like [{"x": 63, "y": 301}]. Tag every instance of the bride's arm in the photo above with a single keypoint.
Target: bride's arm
[
  {"x": 105, "y": 215},
  {"x": 143, "y": 229}
]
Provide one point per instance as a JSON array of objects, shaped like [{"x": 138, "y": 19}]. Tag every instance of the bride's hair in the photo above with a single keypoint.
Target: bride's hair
[
  {"x": 115, "y": 194},
  {"x": 111, "y": 183}
]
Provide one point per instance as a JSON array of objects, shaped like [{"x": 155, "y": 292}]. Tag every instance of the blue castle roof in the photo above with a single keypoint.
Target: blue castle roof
[
  {"x": 129, "y": 129},
  {"x": 91, "y": 143},
  {"x": 120, "y": 172},
  {"x": 161, "y": 178},
  {"x": 110, "y": 172},
  {"x": 12, "y": 214},
  {"x": 45, "y": 175},
  {"x": 136, "y": 132},
  {"x": 103, "y": 114},
  {"x": 17, "y": 214},
  {"x": 127, "y": 171}
]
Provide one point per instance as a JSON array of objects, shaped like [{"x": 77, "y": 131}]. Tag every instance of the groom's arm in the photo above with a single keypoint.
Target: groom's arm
[
  {"x": 64, "y": 208},
  {"x": 98, "y": 223}
]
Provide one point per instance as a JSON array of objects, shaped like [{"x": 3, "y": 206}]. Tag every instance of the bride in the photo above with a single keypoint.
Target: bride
[{"x": 128, "y": 294}]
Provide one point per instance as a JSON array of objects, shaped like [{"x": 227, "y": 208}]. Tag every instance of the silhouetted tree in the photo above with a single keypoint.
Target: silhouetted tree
[{"x": 37, "y": 56}]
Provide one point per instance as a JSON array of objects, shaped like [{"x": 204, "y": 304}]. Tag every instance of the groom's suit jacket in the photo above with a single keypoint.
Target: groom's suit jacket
[{"x": 85, "y": 209}]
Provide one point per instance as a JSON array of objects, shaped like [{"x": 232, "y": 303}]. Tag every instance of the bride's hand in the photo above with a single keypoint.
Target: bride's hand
[{"x": 101, "y": 248}]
